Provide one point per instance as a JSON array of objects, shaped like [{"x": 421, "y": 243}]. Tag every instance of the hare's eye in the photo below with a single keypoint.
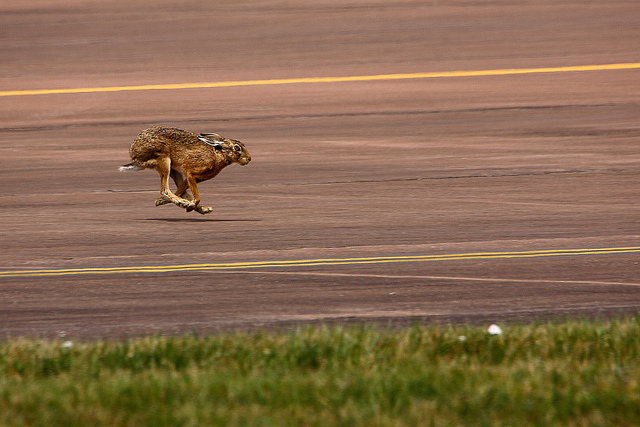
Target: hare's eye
[{"x": 237, "y": 147}]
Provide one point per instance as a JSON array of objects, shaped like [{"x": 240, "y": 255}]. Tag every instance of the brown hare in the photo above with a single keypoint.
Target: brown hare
[{"x": 187, "y": 158}]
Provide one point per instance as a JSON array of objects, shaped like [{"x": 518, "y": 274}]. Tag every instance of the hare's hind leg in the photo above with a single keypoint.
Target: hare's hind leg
[
  {"x": 182, "y": 186},
  {"x": 163, "y": 166},
  {"x": 182, "y": 190}
]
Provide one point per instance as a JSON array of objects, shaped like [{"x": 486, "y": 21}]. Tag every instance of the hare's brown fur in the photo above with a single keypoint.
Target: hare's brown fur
[{"x": 187, "y": 158}]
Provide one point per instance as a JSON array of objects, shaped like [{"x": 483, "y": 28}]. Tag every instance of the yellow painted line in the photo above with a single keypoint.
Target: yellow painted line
[
  {"x": 478, "y": 73},
  {"x": 321, "y": 262}
]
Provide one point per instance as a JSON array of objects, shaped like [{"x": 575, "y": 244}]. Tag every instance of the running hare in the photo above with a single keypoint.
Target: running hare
[{"x": 174, "y": 152}]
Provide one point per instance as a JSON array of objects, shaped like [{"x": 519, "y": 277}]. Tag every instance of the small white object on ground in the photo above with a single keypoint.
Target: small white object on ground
[{"x": 494, "y": 330}]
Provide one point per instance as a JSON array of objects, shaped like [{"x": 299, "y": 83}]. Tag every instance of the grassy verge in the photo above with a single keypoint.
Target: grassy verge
[{"x": 569, "y": 373}]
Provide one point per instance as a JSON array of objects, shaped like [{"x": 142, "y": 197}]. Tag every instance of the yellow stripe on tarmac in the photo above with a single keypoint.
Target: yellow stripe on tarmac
[
  {"x": 479, "y": 73},
  {"x": 321, "y": 262}
]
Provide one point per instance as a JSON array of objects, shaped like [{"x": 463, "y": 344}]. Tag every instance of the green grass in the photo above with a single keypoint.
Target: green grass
[{"x": 568, "y": 373}]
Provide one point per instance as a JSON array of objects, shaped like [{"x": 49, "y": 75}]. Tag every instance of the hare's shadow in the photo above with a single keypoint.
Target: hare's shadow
[{"x": 199, "y": 220}]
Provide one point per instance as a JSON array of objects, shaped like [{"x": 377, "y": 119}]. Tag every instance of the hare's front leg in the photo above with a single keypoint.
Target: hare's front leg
[
  {"x": 203, "y": 209},
  {"x": 192, "y": 182}
]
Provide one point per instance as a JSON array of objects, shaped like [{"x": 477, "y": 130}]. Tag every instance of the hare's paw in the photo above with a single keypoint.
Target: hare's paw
[
  {"x": 203, "y": 209},
  {"x": 163, "y": 201},
  {"x": 189, "y": 206}
]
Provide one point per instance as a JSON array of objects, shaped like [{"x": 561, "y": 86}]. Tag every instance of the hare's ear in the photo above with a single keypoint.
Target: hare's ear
[
  {"x": 204, "y": 137},
  {"x": 212, "y": 136}
]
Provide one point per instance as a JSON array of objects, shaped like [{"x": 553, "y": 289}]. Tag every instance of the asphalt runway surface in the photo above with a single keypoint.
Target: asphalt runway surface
[{"x": 488, "y": 197}]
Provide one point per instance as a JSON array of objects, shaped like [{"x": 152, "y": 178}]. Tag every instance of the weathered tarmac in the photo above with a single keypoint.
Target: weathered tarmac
[{"x": 354, "y": 169}]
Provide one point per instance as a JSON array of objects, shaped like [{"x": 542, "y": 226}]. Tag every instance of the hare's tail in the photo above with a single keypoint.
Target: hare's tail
[{"x": 130, "y": 167}]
